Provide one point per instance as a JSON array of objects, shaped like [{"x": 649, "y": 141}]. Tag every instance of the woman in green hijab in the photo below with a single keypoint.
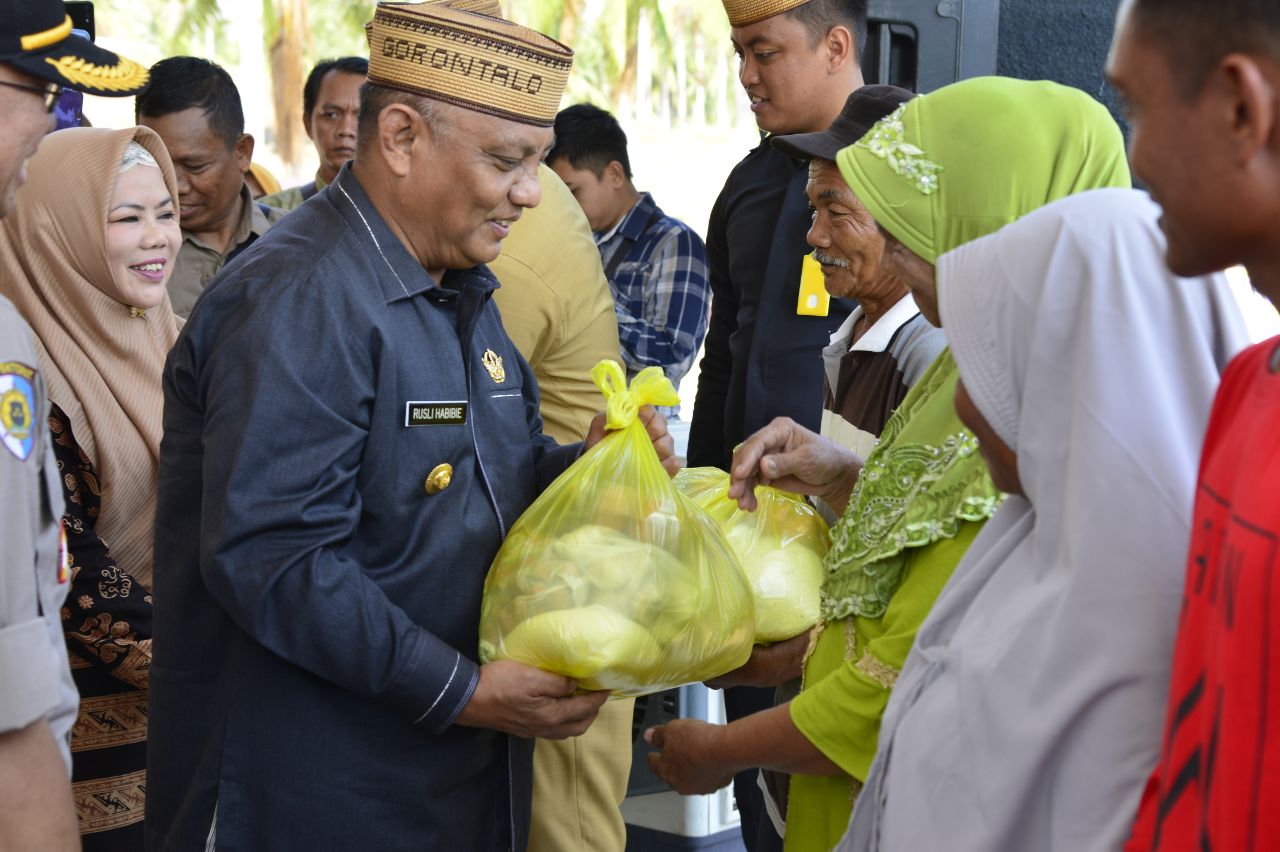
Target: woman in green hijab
[{"x": 944, "y": 169}]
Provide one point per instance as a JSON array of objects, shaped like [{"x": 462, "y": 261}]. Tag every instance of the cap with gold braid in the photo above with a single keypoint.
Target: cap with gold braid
[
  {"x": 743, "y": 12},
  {"x": 36, "y": 37},
  {"x": 483, "y": 63}
]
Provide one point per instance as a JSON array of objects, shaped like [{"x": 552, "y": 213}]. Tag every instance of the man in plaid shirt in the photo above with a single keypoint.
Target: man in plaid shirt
[{"x": 656, "y": 265}]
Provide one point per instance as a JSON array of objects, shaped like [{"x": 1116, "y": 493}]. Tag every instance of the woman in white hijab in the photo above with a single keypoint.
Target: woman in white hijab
[{"x": 1028, "y": 714}]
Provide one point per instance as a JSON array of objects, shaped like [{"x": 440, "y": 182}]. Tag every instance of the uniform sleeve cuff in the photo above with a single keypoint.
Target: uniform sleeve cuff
[
  {"x": 28, "y": 674},
  {"x": 455, "y": 689},
  {"x": 473, "y": 680}
]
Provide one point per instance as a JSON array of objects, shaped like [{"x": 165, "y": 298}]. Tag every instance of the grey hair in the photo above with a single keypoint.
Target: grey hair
[
  {"x": 136, "y": 155},
  {"x": 375, "y": 98}
]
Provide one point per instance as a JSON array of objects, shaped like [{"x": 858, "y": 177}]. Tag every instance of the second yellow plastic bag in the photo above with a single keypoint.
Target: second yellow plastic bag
[
  {"x": 613, "y": 577},
  {"x": 781, "y": 546}
]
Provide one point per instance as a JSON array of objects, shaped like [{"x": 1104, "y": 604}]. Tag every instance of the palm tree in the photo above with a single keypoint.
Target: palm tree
[
  {"x": 627, "y": 88},
  {"x": 627, "y": 58},
  {"x": 200, "y": 29},
  {"x": 291, "y": 52}
]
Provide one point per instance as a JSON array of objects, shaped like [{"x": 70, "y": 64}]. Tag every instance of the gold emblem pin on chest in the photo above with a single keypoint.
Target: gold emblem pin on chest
[
  {"x": 493, "y": 363},
  {"x": 439, "y": 478}
]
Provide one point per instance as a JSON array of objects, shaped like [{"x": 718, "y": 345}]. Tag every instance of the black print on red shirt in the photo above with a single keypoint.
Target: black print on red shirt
[{"x": 1209, "y": 757}]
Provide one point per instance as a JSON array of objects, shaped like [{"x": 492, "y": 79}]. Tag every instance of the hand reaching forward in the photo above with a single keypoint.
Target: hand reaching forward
[
  {"x": 521, "y": 700},
  {"x": 696, "y": 757},
  {"x": 786, "y": 455},
  {"x": 688, "y": 756}
]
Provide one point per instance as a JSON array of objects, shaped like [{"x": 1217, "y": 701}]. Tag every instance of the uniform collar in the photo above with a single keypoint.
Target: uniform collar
[
  {"x": 252, "y": 221},
  {"x": 400, "y": 275},
  {"x": 256, "y": 222}
]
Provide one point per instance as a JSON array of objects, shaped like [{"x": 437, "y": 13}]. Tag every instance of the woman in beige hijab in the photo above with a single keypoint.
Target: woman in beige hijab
[{"x": 85, "y": 257}]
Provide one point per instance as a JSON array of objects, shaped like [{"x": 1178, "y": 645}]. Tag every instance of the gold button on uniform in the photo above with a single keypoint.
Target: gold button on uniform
[{"x": 439, "y": 478}]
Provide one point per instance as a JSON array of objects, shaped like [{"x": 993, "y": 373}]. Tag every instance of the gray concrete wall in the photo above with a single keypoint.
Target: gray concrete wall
[{"x": 1061, "y": 40}]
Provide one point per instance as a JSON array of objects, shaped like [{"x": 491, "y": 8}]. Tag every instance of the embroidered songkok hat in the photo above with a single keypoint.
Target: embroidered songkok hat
[
  {"x": 481, "y": 7},
  {"x": 743, "y": 12},
  {"x": 441, "y": 51}
]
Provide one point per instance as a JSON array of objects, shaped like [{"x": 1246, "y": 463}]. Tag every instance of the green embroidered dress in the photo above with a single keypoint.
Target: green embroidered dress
[
  {"x": 944, "y": 169},
  {"x": 920, "y": 501}
]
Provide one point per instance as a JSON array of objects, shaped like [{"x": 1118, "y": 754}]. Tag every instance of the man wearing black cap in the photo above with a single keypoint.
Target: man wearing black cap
[
  {"x": 38, "y": 57},
  {"x": 886, "y": 344},
  {"x": 798, "y": 60},
  {"x": 880, "y": 350}
]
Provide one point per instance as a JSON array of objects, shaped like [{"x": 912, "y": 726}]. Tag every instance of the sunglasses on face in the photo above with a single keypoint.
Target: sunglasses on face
[{"x": 49, "y": 91}]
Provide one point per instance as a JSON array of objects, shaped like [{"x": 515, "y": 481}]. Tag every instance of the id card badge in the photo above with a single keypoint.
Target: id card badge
[{"x": 814, "y": 299}]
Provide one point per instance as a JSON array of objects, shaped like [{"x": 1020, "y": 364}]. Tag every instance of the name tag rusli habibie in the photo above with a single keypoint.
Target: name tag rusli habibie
[{"x": 435, "y": 413}]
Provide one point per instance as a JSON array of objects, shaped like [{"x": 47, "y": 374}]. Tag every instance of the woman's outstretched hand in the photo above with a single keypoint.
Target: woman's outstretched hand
[{"x": 786, "y": 455}]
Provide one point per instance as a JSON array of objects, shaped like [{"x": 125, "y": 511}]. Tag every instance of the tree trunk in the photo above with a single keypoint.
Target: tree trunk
[
  {"x": 569, "y": 19},
  {"x": 624, "y": 90},
  {"x": 288, "y": 53}
]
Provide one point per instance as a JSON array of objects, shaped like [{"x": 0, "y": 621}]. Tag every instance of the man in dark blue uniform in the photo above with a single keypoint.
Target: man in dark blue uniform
[{"x": 349, "y": 434}]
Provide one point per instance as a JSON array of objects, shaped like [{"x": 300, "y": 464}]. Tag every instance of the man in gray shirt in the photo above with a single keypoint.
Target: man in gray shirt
[{"x": 38, "y": 58}]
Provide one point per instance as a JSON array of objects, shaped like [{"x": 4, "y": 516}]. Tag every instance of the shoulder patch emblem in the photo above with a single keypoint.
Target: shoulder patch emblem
[
  {"x": 17, "y": 408},
  {"x": 493, "y": 363}
]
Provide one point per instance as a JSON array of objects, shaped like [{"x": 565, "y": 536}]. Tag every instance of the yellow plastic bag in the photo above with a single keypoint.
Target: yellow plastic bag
[
  {"x": 781, "y": 546},
  {"x": 614, "y": 578}
]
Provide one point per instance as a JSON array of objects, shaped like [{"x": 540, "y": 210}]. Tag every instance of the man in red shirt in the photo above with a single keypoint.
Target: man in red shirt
[{"x": 1202, "y": 84}]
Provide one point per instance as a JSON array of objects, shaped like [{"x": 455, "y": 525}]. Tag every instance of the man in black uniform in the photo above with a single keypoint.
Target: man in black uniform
[{"x": 770, "y": 316}]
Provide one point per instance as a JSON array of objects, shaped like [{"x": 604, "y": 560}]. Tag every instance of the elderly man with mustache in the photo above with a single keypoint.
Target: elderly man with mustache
[
  {"x": 874, "y": 358},
  {"x": 886, "y": 343}
]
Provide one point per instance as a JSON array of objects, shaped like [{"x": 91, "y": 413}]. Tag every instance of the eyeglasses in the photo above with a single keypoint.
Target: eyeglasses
[{"x": 49, "y": 91}]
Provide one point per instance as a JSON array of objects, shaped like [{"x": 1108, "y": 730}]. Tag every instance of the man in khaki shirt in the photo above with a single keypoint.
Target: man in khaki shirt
[
  {"x": 330, "y": 108},
  {"x": 195, "y": 107},
  {"x": 198, "y": 261},
  {"x": 557, "y": 308}
]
